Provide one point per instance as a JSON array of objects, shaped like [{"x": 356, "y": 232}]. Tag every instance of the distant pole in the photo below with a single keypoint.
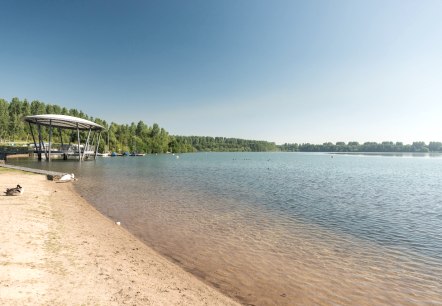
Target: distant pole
[{"x": 78, "y": 137}]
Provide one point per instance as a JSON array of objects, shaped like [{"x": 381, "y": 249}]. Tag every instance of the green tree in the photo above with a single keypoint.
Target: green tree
[
  {"x": 4, "y": 119},
  {"x": 16, "y": 124},
  {"x": 434, "y": 146}
]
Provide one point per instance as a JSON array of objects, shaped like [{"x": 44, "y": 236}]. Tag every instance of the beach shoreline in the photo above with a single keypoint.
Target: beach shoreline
[{"x": 56, "y": 248}]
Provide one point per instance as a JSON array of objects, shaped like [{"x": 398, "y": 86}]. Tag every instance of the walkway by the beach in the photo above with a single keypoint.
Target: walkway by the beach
[{"x": 32, "y": 170}]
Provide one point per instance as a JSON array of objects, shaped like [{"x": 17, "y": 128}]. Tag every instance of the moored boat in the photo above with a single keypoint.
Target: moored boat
[{"x": 137, "y": 154}]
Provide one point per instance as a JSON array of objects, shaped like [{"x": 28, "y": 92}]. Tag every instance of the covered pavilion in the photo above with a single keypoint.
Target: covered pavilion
[{"x": 60, "y": 122}]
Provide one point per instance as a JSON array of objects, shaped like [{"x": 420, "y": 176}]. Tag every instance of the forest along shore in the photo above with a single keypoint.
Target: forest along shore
[{"x": 57, "y": 249}]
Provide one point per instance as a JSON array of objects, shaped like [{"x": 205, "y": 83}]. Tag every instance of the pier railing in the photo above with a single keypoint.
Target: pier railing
[{"x": 13, "y": 150}]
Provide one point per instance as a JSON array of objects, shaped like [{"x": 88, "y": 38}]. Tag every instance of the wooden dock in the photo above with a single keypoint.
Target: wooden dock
[
  {"x": 49, "y": 174},
  {"x": 6, "y": 151}
]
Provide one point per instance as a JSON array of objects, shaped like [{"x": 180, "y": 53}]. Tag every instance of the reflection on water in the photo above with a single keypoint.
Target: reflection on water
[{"x": 283, "y": 228}]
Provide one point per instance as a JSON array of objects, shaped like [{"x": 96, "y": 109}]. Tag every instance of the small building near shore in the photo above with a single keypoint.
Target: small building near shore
[{"x": 80, "y": 150}]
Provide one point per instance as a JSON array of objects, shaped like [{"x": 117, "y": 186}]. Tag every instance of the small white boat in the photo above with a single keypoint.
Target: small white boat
[
  {"x": 137, "y": 154},
  {"x": 103, "y": 154}
]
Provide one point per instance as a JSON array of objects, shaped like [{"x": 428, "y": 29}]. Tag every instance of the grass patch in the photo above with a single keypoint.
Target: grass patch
[
  {"x": 9, "y": 170},
  {"x": 6, "y": 170}
]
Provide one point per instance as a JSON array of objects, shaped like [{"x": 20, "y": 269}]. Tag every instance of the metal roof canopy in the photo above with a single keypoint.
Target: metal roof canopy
[{"x": 64, "y": 122}]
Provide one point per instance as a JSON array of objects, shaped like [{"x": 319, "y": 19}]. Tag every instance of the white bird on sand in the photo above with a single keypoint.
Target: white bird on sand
[
  {"x": 14, "y": 191},
  {"x": 67, "y": 178}
]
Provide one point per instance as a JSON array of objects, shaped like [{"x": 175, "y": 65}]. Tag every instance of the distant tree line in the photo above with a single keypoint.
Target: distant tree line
[
  {"x": 354, "y": 146},
  {"x": 219, "y": 144},
  {"x": 134, "y": 137},
  {"x": 153, "y": 139}
]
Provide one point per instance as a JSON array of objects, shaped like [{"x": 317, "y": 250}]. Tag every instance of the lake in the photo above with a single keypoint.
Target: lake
[{"x": 282, "y": 228}]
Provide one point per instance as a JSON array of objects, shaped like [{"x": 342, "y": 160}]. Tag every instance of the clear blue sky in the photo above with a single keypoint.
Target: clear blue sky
[{"x": 284, "y": 71}]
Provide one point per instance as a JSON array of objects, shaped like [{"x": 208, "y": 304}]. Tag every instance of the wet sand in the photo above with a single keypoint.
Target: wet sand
[{"x": 56, "y": 249}]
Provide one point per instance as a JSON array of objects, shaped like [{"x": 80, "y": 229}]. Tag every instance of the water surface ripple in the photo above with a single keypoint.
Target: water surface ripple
[{"x": 284, "y": 228}]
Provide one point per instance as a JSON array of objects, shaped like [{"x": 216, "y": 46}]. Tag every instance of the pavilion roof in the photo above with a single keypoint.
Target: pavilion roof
[{"x": 63, "y": 121}]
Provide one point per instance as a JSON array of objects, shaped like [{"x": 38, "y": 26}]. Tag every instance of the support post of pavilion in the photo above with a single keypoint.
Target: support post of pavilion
[
  {"x": 39, "y": 142},
  {"x": 79, "y": 149},
  {"x": 96, "y": 146},
  {"x": 50, "y": 140},
  {"x": 33, "y": 137},
  {"x": 86, "y": 145}
]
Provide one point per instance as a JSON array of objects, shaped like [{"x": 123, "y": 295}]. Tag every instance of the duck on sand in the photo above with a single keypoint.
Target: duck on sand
[{"x": 16, "y": 191}]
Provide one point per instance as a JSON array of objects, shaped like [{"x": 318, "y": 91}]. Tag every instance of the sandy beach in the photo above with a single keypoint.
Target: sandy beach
[{"x": 56, "y": 249}]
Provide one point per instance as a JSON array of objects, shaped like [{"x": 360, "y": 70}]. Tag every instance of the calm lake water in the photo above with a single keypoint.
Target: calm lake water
[{"x": 283, "y": 228}]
